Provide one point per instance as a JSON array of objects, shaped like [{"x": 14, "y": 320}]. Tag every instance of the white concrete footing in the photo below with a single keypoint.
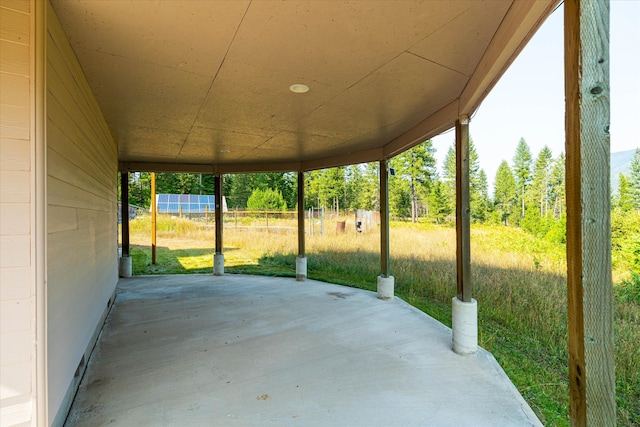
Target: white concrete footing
[
  {"x": 218, "y": 264},
  {"x": 301, "y": 269},
  {"x": 125, "y": 267},
  {"x": 464, "y": 325},
  {"x": 385, "y": 287}
]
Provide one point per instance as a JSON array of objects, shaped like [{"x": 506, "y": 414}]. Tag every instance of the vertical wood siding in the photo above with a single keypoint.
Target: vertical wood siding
[
  {"x": 81, "y": 216},
  {"x": 17, "y": 269}
]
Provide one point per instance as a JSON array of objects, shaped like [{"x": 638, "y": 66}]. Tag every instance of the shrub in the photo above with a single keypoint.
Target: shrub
[{"x": 266, "y": 200}]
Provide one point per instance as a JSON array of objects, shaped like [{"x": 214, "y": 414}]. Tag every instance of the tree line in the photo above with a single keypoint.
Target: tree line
[{"x": 528, "y": 192}]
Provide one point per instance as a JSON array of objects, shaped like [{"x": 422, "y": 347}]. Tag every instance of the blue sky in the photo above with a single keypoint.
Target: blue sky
[{"x": 528, "y": 101}]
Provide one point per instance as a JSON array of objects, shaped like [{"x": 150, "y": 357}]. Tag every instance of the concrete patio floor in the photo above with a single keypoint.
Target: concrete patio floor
[{"x": 201, "y": 350}]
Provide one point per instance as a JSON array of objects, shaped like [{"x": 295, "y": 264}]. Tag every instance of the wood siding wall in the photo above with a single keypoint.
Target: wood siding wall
[
  {"x": 81, "y": 219},
  {"x": 17, "y": 237}
]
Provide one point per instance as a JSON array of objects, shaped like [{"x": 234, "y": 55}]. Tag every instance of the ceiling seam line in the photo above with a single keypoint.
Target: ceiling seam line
[
  {"x": 436, "y": 63},
  {"x": 206, "y": 97}
]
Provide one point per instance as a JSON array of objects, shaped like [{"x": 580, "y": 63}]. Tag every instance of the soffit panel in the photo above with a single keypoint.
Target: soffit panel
[
  {"x": 467, "y": 37},
  {"x": 151, "y": 144},
  {"x": 404, "y": 87},
  {"x": 207, "y": 81},
  {"x": 192, "y": 36},
  {"x": 221, "y": 146},
  {"x": 335, "y": 43},
  {"x": 144, "y": 95},
  {"x": 245, "y": 100}
]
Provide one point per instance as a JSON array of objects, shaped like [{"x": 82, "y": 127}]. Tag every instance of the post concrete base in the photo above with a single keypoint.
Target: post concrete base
[
  {"x": 301, "y": 269},
  {"x": 125, "y": 267},
  {"x": 218, "y": 264},
  {"x": 385, "y": 287},
  {"x": 464, "y": 320}
]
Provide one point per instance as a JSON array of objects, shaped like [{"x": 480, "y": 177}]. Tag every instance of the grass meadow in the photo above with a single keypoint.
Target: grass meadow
[{"x": 519, "y": 282}]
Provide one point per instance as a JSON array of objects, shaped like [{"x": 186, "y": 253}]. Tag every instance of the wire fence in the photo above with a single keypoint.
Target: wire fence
[{"x": 317, "y": 220}]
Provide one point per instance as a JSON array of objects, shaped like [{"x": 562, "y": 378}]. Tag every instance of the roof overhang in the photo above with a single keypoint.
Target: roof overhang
[{"x": 203, "y": 86}]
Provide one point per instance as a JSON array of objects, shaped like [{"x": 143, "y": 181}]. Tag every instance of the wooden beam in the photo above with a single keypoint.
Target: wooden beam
[
  {"x": 301, "y": 242},
  {"x": 124, "y": 192},
  {"x": 350, "y": 158},
  {"x": 153, "y": 218},
  {"x": 433, "y": 125},
  {"x": 217, "y": 189},
  {"x": 519, "y": 24},
  {"x": 590, "y": 291},
  {"x": 384, "y": 219},
  {"x": 463, "y": 230},
  {"x": 364, "y": 156}
]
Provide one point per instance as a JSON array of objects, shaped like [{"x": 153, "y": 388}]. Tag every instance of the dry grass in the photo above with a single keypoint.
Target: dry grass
[{"x": 519, "y": 282}]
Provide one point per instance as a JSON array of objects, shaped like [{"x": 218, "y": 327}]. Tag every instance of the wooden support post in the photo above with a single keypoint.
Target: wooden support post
[
  {"x": 301, "y": 242},
  {"x": 463, "y": 230},
  {"x": 217, "y": 184},
  {"x": 153, "y": 218},
  {"x": 384, "y": 219},
  {"x": 124, "y": 192},
  {"x": 590, "y": 291}
]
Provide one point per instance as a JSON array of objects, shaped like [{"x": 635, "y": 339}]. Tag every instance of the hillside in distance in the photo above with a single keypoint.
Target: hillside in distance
[{"x": 620, "y": 163}]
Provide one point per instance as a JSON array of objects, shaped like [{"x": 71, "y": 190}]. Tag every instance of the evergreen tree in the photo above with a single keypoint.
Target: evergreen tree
[
  {"x": 369, "y": 193},
  {"x": 479, "y": 195},
  {"x": 540, "y": 184},
  {"x": 268, "y": 200},
  {"x": 440, "y": 205},
  {"x": 522, "y": 171},
  {"x": 557, "y": 186},
  {"x": 623, "y": 200},
  {"x": 504, "y": 192},
  {"x": 449, "y": 177},
  {"x": 418, "y": 167},
  {"x": 478, "y": 187},
  {"x": 399, "y": 197},
  {"x": 634, "y": 179},
  {"x": 327, "y": 188},
  {"x": 140, "y": 189}
]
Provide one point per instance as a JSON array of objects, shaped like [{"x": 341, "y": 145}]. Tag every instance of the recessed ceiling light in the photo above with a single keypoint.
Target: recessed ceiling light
[
  {"x": 224, "y": 151},
  {"x": 299, "y": 88}
]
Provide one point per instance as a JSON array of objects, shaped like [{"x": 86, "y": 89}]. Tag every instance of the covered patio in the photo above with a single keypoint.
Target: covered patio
[
  {"x": 255, "y": 351},
  {"x": 91, "y": 89}
]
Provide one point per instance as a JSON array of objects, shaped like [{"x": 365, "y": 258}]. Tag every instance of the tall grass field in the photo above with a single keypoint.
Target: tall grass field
[{"x": 519, "y": 282}]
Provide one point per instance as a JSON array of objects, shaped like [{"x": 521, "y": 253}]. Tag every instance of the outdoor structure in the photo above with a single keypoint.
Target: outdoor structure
[{"x": 92, "y": 88}]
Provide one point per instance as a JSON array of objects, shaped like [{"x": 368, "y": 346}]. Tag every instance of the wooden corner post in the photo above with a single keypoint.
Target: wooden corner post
[
  {"x": 154, "y": 213},
  {"x": 384, "y": 219},
  {"x": 301, "y": 259},
  {"x": 590, "y": 291},
  {"x": 463, "y": 228},
  {"x": 386, "y": 282},
  {"x": 464, "y": 309},
  {"x": 218, "y": 257},
  {"x": 217, "y": 184},
  {"x": 301, "y": 242},
  {"x": 124, "y": 207}
]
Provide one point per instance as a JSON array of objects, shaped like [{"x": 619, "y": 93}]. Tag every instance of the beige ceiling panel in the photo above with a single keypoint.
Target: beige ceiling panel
[
  {"x": 150, "y": 144},
  {"x": 218, "y": 146},
  {"x": 460, "y": 43},
  {"x": 244, "y": 100},
  {"x": 336, "y": 43},
  {"x": 144, "y": 95},
  {"x": 405, "y": 87},
  {"x": 188, "y": 35},
  {"x": 294, "y": 145}
]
